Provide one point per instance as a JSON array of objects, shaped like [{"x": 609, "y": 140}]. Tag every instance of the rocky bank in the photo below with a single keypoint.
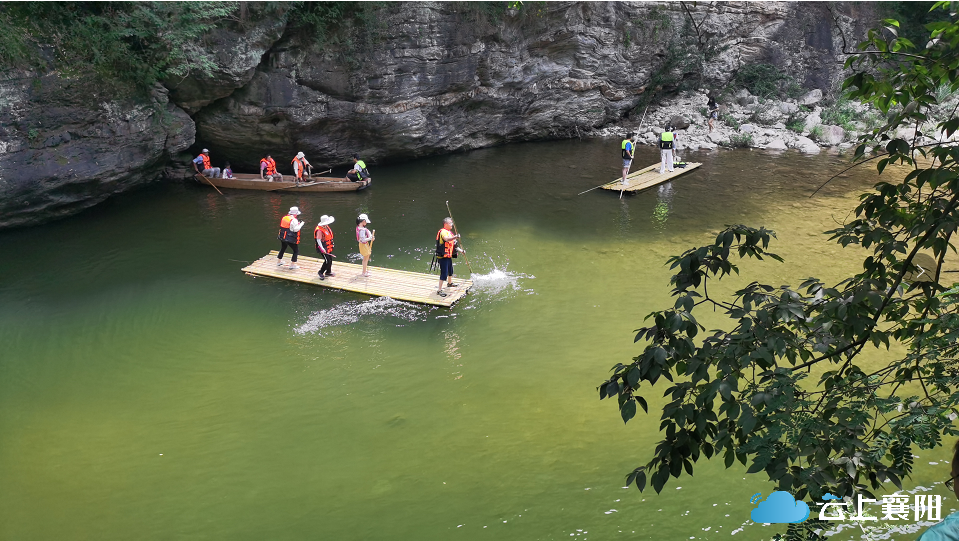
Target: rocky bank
[{"x": 428, "y": 78}]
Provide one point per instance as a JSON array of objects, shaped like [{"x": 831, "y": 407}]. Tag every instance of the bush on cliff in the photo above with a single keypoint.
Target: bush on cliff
[{"x": 138, "y": 43}]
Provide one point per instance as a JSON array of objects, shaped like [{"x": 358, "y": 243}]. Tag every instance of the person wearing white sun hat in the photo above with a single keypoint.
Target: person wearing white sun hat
[
  {"x": 365, "y": 239},
  {"x": 323, "y": 237},
  {"x": 289, "y": 236},
  {"x": 300, "y": 166}
]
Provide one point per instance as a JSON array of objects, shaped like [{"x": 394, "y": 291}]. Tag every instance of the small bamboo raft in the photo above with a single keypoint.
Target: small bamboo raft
[
  {"x": 382, "y": 282},
  {"x": 647, "y": 178},
  {"x": 242, "y": 181}
]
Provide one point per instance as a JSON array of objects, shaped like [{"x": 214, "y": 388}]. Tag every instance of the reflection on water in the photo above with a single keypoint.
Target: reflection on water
[{"x": 664, "y": 199}]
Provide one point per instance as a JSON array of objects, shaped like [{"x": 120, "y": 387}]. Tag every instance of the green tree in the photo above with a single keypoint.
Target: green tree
[{"x": 744, "y": 392}]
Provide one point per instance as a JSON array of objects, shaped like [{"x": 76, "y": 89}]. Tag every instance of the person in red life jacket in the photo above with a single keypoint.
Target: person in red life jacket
[
  {"x": 446, "y": 248},
  {"x": 268, "y": 169},
  {"x": 208, "y": 170},
  {"x": 300, "y": 166},
  {"x": 365, "y": 239},
  {"x": 289, "y": 236},
  {"x": 323, "y": 237}
]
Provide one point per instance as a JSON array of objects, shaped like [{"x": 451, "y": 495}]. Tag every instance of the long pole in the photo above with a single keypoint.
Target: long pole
[
  {"x": 623, "y": 189},
  {"x": 214, "y": 185},
  {"x": 457, "y": 233}
]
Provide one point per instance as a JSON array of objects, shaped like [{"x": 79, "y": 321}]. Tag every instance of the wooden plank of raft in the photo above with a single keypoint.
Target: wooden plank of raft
[
  {"x": 647, "y": 178},
  {"x": 397, "y": 284}
]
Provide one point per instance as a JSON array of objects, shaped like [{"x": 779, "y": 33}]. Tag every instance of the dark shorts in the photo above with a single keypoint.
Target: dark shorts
[
  {"x": 446, "y": 267},
  {"x": 353, "y": 176}
]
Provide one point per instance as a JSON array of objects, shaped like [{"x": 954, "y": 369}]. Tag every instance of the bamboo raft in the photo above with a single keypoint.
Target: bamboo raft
[
  {"x": 241, "y": 181},
  {"x": 397, "y": 284},
  {"x": 647, "y": 178}
]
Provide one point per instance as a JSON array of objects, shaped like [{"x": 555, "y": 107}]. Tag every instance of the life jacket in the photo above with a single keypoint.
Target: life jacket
[
  {"x": 444, "y": 249},
  {"x": 285, "y": 234},
  {"x": 666, "y": 140},
  {"x": 358, "y": 232},
  {"x": 270, "y": 165},
  {"x": 626, "y": 155},
  {"x": 206, "y": 162},
  {"x": 363, "y": 172},
  {"x": 324, "y": 234},
  {"x": 302, "y": 170}
]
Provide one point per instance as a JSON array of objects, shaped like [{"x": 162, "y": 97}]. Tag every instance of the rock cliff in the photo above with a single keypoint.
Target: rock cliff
[{"x": 424, "y": 78}]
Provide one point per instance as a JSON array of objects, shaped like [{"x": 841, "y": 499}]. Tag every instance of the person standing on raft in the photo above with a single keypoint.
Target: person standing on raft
[
  {"x": 289, "y": 237},
  {"x": 323, "y": 236},
  {"x": 300, "y": 166},
  {"x": 627, "y": 154},
  {"x": 208, "y": 170},
  {"x": 666, "y": 150},
  {"x": 365, "y": 239},
  {"x": 268, "y": 169},
  {"x": 446, "y": 248}
]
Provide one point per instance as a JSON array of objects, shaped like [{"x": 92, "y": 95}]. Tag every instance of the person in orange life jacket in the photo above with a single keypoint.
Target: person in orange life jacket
[
  {"x": 323, "y": 238},
  {"x": 289, "y": 236},
  {"x": 208, "y": 170},
  {"x": 300, "y": 166},
  {"x": 268, "y": 169},
  {"x": 627, "y": 154},
  {"x": 365, "y": 238},
  {"x": 446, "y": 248}
]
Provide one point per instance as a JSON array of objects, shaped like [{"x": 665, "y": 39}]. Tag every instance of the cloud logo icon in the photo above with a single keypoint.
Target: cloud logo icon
[
  {"x": 780, "y": 508},
  {"x": 828, "y": 496}
]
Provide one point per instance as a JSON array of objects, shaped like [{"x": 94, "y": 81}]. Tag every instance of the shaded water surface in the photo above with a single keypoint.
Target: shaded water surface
[{"x": 150, "y": 390}]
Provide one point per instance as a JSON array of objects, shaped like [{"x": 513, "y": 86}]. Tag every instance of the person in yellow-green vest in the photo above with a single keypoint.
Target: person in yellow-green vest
[
  {"x": 666, "y": 142},
  {"x": 627, "y": 154},
  {"x": 359, "y": 172}
]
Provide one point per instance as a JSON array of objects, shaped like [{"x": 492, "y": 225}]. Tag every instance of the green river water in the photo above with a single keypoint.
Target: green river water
[{"x": 151, "y": 390}]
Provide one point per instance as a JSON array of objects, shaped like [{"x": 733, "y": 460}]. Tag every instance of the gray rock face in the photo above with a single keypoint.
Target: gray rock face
[
  {"x": 236, "y": 53},
  {"x": 434, "y": 81},
  {"x": 66, "y": 146},
  {"x": 812, "y": 97},
  {"x": 679, "y": 122},
  {"x": 806, "y": 145},
  {"x": 788, "y": 108},
  {"x": 437, "y": 83},
  {"x": 776, "y": 144},
  {"x": 832, "y": 135},
  {"x": 812, "y": 120},
  {"x": 747, "y": 128}
]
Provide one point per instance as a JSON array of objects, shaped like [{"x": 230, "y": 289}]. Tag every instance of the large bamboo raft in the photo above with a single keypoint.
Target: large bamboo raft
[
  {"x": 647, "y": 178},
  {"x": 242, "y": 181},
  {"x": 382, "y": 282}
]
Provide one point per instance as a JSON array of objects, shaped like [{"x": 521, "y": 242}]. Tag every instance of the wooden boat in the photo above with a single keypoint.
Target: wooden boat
[{"x": 242, "y": 181}]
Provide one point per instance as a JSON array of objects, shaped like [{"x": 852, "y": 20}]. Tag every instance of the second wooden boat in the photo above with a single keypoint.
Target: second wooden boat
[{"x": 242, "y": 181}]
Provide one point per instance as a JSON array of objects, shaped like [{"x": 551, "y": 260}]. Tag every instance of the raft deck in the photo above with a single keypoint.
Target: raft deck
[
  {"x": 647, "y": 178},
  {"x": 396, "y": 284}
]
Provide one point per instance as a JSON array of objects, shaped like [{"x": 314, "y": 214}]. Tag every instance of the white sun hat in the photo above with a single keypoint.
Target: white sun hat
[
  {"x": 365, "y": 218},
  {"x": 326, "y": 220},
  {"x": 294, "y": 211}
]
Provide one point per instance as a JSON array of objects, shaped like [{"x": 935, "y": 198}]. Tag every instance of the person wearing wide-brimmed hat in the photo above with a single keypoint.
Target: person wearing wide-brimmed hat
[
  {"x": 323, "y": 237},
  {"x": 289, "y": 236},
  {"x": 208, "y": 170},
  {"x": 365, "y": 239},
  {"x": 300, "y": 166}
]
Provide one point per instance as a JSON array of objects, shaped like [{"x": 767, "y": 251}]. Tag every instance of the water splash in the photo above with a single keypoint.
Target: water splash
[
  {"x": 499, "y": 280},
  {"x": 350, "y": 312}
]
